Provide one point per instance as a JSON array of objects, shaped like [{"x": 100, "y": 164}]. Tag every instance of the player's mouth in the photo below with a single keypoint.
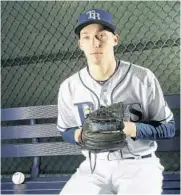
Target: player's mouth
[{"x": 96, "y": 53}]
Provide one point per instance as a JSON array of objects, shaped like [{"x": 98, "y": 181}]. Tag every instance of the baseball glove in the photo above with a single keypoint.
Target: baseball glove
[{"x": 102, "y": 129}]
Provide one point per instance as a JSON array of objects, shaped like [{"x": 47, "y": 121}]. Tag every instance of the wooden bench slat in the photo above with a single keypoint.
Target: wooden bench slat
[
  {"x": 32, "y": 186},
  {"x": 29, "y": 131},
  {"x": 46, "y": 149},
  {"x": 171, "y": 176},
  {"x": 32, "y": 191},
  {"x": 171, "y": 191},
  {"x": 56, "y": 178},
  {"x": 52, "y": 185},
  {"x": 177, "y": 121},
  {"x": 172, "y": 144},
  {"x": 52, "y": 191},
  {"x": 32, "y": 112},
  {"x": 171, "y": 184},
  {"x": 39, "y": 149},
  {"x": 173, "y": 100}
]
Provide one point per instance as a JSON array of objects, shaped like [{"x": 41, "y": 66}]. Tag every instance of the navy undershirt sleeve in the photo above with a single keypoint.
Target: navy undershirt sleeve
[
  {"x": 68, "y": 135},
  {"x": 155, "y": 130}
]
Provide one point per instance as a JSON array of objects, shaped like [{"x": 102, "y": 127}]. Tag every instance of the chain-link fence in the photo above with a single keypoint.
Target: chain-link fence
[{"x": 39, "y": 50}]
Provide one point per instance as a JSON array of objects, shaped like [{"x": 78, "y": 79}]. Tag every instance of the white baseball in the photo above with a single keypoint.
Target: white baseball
[{"x": 18, "y": 178}]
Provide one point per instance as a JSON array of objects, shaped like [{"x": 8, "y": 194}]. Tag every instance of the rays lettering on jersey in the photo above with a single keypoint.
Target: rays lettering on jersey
[
  {"x": 133, "y": 112},
  {"x": 93, "y": 15},
  {"x": 84, "y": 108}
]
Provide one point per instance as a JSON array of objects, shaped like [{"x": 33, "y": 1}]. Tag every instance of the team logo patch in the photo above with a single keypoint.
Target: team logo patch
[
  {"x": 87, "y": 110},
  {"x": 84, "y": 108}
]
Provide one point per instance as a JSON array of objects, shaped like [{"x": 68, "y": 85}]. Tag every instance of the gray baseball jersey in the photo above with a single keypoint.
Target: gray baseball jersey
[{"x": 136, "y": 86}]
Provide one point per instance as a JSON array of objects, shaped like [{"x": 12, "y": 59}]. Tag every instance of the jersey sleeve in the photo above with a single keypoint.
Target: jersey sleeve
[
  {"x": 66, "y": 118},
  {"x": 158, "y": 109}
]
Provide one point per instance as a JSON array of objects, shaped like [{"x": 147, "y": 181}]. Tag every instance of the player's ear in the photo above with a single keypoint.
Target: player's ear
[
  {"x": 116, "y": 39},
  {"x": 80, "y": 45}
]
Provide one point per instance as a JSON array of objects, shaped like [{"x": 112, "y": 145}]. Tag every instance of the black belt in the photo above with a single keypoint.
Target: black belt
[{"x": 146, "y": 156}]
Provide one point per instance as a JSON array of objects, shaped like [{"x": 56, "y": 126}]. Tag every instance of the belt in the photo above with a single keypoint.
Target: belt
[{"x": 138, "y": 157}]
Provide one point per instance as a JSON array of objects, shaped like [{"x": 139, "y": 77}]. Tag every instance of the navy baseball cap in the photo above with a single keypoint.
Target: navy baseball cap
[{"x": 95, "y": 16}]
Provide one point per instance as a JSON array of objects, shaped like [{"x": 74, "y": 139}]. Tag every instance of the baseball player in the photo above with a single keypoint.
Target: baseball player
[{"x": 104, "y": 81}]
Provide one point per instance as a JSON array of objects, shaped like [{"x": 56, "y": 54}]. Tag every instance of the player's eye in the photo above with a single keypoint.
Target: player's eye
[
  {"x": 86, "y": 37},
  {"x": 101, "y": 36}
]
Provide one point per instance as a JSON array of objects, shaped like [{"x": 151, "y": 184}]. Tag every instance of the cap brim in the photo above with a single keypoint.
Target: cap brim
[{"x": 81, "y": 26}]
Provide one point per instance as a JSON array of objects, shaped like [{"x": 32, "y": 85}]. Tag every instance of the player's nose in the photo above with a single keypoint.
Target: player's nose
[{"x": 96, "y": 42}]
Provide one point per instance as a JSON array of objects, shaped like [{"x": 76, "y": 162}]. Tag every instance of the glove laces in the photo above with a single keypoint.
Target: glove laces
[
  {"x": 93, "y": 166},
  {"x": 90, "y": 162}
]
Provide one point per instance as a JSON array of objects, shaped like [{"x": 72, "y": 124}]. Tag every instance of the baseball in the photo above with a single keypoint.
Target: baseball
[{"x": 18, "y": 178}]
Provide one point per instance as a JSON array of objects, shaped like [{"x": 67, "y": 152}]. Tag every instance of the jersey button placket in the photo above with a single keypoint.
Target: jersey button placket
[
  {"x": 104, "y": 90},
  {"x": 104, "y": 96},
  {"x": 105, "y": 101}
]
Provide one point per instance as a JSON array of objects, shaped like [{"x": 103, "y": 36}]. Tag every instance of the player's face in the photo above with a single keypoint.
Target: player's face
[{"x": 97, "y": 43}]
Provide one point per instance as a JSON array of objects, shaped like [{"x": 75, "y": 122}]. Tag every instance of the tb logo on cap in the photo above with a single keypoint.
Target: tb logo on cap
[{"x": 93, "y": 15}]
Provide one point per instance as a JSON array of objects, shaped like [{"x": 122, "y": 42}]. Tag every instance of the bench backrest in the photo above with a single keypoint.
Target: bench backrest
[{"x": 36, "y": 131}]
